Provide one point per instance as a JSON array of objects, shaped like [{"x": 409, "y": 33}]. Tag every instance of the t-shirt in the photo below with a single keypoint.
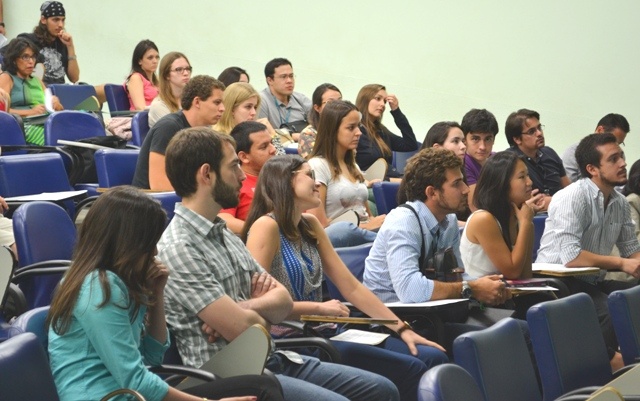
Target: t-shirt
[
  {"x": 246, "y": 196},
  {"x": 157, "y": 141},
  {"x": 54, "y": 56}
]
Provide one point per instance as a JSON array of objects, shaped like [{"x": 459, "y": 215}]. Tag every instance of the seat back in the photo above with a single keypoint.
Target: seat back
[
  {"x": 498, "y": 359},
  {"x": 353, "y": 257},
  {"x": 71, "y": 126},
  {"x": 117, "y": 98},
  {"x": 168, "y": 201},
  {"x": 115, "y": 166},
  {"x": 568, "y": 344},
  {"x": 71, "y": 96},
  {"x": 12, "y": 133},
  {"x": 7, "y": 264},
  {"x": 448, "y": 382},
  {"x": 539, "y": 221},
  {"x": 385, "y": 194},
  {"x": 624, "y": 308},
  {"x": 139, "y": 127},
  {"x": 43, "y": 232},
  {"x": 24, "y": 369},
  {"x": 33, "y": 321},
  {"x": 399, "y": 159}
]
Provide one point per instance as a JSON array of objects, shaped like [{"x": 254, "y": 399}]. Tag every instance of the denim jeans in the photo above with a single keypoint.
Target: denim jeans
[{"x": 343, "y": 233}]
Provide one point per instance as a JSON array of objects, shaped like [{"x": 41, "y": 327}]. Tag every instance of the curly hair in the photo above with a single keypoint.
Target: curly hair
[
  {"x": 13, "y": 50},
  {"x": 428, "y": 168}
]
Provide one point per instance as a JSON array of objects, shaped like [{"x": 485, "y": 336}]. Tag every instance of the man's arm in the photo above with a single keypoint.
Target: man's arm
[
  {"x": 228, "y": 319},
  {"x": 272, "y": 303},
  {"x": 158, "y": 180},
  {"x": 73, "y": 69}
]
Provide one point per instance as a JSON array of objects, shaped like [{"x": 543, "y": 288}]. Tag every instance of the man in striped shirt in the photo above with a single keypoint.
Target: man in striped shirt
[{"x": 587, "y": 218}]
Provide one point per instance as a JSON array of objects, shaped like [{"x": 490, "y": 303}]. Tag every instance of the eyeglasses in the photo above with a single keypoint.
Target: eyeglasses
[
  {"x": 285, "y": 76},
  {"x": 180, "y": 70},
  {"x": 533, "y": 130},
  {"x": 26, "y": 57},
  {"x": 309, "y": 173}
]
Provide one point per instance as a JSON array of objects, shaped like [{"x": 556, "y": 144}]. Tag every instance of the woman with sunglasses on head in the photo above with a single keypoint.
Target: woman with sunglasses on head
[
  {"x": 377, "y": 141},
  {"x": 107, "y": 321},
  {"x": 142, "y": 83},
  {"x": 175, "y": 72},
  {"x": 295, "y": 249},
  {"x": 342, "y": 185},
  {"x": 323, "y": 94},
  {"x": 25, "y": 90}
]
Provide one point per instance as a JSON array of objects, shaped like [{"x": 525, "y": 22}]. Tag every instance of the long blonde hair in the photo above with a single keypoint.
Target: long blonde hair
[{"x": 233, "y": 96}]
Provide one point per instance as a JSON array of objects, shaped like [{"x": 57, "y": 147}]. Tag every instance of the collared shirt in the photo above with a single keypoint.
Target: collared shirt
[
  {"x": 279, "y": 113},
  {"x": 571, "y": 164},
  {"x": 206, "y": 261},
  {"x": 545, "y": 170},
  {"x": 391, "y": 269},
  {"x": 579, "y": 221},
  {"x": 471, "y": 169}
]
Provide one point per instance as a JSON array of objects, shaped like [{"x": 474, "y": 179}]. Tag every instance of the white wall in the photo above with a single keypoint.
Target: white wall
[{"x": 573, "y": 61}]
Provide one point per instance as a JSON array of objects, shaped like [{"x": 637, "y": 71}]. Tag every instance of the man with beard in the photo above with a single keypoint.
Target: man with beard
[
  {"x": 587, "y": 218},
  {"x": 201, "y": 106},
  {"x": 526, "y": 137},
  {"x": 214, "y": 279}
]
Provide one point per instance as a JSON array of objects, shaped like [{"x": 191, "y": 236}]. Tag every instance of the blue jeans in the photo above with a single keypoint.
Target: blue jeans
[
  {"x": 343, "y": 233},
  {"x": 314, "y": 380},
  {"x": 394, "y": 361}
]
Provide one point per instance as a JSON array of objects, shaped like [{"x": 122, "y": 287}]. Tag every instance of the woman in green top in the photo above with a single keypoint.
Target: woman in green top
[{"x": 26, "y": 91}]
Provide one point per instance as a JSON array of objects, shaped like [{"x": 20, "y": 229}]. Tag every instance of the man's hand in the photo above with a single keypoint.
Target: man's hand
[
  {"x": 212, "y": 335},
  {"x": 261, "y": 284},
  {"x": 631, "y": 266},
  {"x": 66, "y": 38},
  {"x": 490, "y": 290}
]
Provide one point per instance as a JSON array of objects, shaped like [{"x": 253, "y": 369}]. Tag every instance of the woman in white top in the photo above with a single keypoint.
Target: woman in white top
[
  {"x": 343, "y": 186},
  {"x": 175, "y": 72}
]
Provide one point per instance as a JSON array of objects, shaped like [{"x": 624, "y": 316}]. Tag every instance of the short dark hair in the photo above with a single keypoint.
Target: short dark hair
[
  {"x": 271, "y": 66},
  {"x": 426, "y": 168},
  {"x": 12, "y": 51},
  {"x": 231, "y": 75},
  {"x": 189, "y": 149},
  {"x": 479, "y": 120},
  {"x": 201, "y": 86},
  {"x": 515, "y": 121},
  {"x": 587, "y": 151},
  {"x": 612, "y": 121},
  {"x": 438, "y": 133},
  {"x": 241, "y": 133}
]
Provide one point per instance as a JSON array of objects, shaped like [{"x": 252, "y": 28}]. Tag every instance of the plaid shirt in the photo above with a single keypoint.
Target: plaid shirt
[{"x": 206, "y": 262}]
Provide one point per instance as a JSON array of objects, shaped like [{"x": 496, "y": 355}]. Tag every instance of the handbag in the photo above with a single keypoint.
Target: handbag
[{"x": 443, "y": 265}]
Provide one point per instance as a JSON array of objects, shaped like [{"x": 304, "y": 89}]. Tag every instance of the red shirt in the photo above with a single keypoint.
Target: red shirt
[{"x": 246, "y": 196}]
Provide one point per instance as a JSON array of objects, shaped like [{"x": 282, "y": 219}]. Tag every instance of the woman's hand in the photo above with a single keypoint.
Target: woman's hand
[
  {"x": 393, "y": 102},
  {"x": 157, "y": 276},
  {"x": 57, "y": 106},
  {"x": 370, "y": 183},
  {"x": 37, "y": 110},
  {"x": 374, "y": 223},
  {"x": 412, "y": 339},
  {"x": 525, "y": 213},
  {"x": 333, "y": 308},
  {"x": 536, "y": 202}
]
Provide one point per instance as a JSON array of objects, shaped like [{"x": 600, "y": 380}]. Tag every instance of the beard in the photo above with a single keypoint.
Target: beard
[
  {"x": 225, "y": 195},
  {"x": 614, "y": 183}
]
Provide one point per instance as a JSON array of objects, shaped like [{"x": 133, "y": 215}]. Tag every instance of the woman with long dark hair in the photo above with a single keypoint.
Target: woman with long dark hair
[
  {"x": 295, "y": 249},
  {"x": 323, "y": 94},
  {"x": 142, "y": 82},
  {"x": 106, "y": 321}
]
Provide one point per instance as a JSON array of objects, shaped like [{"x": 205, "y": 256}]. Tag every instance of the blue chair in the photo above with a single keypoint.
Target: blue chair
[
  {"x": 71, "y": 126},
  {"x": 70, "y": 96},
  {"x": 624, "y": 308},
  {"x": 448, "y": 382},
  {"x": 539, "y": 221},
  {"x": 290, "y": 151},
  {"x": 139, "y": 127},
  {"x": 568, "y": 344},
  {"x": 34, "y": 174},
  {"x": 45, "y": 237},
  {"x": 385, "y": 194},
  {"x": 115, "y": 166},
  {"x": 117, "y": 99},
  {"x": 353, "y": 257},
  {"x": 399, "y": 159},
  {"x": 33, "y": 321},
  {"x": 12, "y": 133},
  {"x": 168, "y": 201},
  {"x": 498, "y": 359}
]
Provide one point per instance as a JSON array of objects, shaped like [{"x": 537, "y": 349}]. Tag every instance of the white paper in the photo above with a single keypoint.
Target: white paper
[
  {"x": 425, "y": 304},
  {"x": 47, "y": 196},
  {"x": 538, "y": 288},
  {"x": 553, "y": 267},
  {"x": 361, "y": 337}
]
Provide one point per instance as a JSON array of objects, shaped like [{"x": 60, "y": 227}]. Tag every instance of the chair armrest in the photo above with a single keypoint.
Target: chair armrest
[
  {"x": 15, "y": 303},
  {"x": 46, "y": 267},
  {"x": 303, "y": 327},
  {"x": 623, "y": 370},
  {"x": 183, "y": 371},
  {"x": 114, "y": 393},
  {"x": 330, "y": 352},
  {"x": 563, "y": 290}
]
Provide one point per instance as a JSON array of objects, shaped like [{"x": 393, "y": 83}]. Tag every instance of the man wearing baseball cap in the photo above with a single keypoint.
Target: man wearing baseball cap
[{"x": 57, "y": 51}]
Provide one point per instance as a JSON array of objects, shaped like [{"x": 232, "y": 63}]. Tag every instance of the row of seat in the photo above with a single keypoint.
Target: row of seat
[{"x": 570, "y": 354}]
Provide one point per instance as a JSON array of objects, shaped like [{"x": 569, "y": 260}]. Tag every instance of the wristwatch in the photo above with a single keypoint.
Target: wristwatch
[{"x": 466, "y": 290}]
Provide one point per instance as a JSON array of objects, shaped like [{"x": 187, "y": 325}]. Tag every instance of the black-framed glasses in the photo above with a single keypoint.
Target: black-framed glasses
[
  {"x": 309, "y": 173},
  {"x": 533, "y": 130},
  {"x": 180, "y": 70},
  {"x": 26, "y": 57}
]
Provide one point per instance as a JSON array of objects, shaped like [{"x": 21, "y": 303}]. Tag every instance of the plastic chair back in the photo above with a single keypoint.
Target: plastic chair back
[
  {"x": 117, "y": 98},
  {"x": 399, "y": 159},
  {"x": 71, "y": 126},
  {"x": 70, "y": 96},
  {"x": 498, "y": 359},
  {"x": 25, "y": 372},
  {"x": 624, "y": 308},
  {"x": 33, "y": 321},
  {"x": 448, "y": 382},
  {"x": 12, "y": 133},
  {"x": 115, "y": 166},
  {"x": 139, "y": 127},
  {"x": 353, "y": 257},
  {"x": 168, "y": 201},
  {"x": 385, "y": 194},
  {"x": 539, "y": 221},
  {"x": 568, "y": 344}
]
